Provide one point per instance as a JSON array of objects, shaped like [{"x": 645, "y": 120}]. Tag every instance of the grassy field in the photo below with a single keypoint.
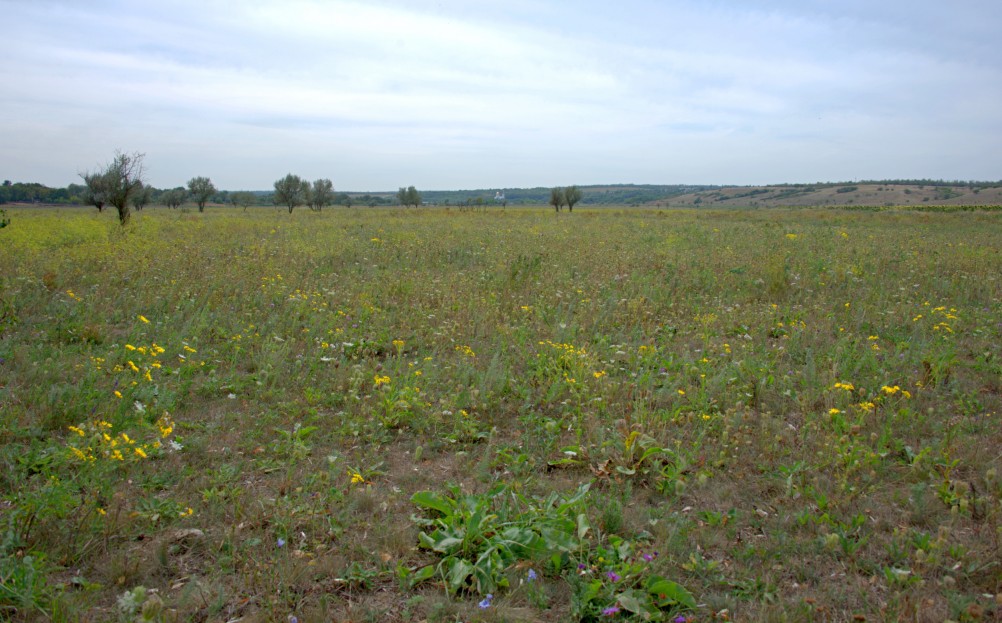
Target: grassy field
[{"x": 388, "y": 415}]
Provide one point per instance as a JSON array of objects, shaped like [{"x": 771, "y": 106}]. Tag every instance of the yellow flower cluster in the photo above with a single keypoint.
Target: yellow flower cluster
[
  {"x": 98, "y": 441},
  {"x": 466, "y": 350},
  {"x": 891, "y": 390}
]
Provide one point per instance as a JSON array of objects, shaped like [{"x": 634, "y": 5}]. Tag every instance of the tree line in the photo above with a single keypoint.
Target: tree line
[{"x": 122, "y": 184}]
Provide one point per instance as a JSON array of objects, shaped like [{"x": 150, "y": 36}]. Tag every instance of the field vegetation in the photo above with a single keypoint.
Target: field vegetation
[{"x": 397, "y": 415}]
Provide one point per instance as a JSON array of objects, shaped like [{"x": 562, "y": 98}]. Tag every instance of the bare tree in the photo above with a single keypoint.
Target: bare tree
[
  {"x": 572, "y": 195},
  {"x": 201, "y": 188},
  {"x": 322, "y": 194},
  {"x": 125, "y": 178},
  {"x": 291, "y": 191}
]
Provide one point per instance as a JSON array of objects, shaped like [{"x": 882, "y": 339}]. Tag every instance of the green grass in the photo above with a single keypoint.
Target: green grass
[{"x": 387, "y": 414}]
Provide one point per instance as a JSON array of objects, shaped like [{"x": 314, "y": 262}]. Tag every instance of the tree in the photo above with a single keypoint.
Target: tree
[
  {"x": 322, "y": 194},
  {"x": 95, "y": 189},
  {"x": 142, "y": 197},
  {"x": 124, "y": 179},
  {"x": 243, "y": 198},
  {"x": 344, "y": 199},
  {"x": 201, "y": 188},
  {"x": 572, "y": 195},
  {"x": 557, "y": 198},
  {"x": 409, "y": 196},
  {"x": 291, "y": 191},
  {"x": 174, "y": 198}
]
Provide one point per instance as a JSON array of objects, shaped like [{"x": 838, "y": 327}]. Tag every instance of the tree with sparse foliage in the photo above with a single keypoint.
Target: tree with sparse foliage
[
  {"x": 572, "y": 195},
  {"x": 557, "y": 198},
  {"x": 174, "y": 198},
  {"x": 243, "y": 198},
  {"x": 201, "y": 188},
  {"x": 322, "y": 194},
  {"x": 409, "y": 196},
  {"x": 124, "y": 178},
  {"x": 142, "y": 197},
  {"x": 344, "y": 199},
  {"x": 291, "y": 191},
  {"x": 95, "y": 189}
]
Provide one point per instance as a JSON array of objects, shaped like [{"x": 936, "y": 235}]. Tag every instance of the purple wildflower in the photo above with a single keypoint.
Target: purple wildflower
[
  {"x": 679, "y": 619},
  {"x": 280, "y": 542},
  {"x": 612, "y": 575},
  {"x": 610, "y": 611},
  {"x": 486, "y": 602},
  {"x": 532, "y": 575}
]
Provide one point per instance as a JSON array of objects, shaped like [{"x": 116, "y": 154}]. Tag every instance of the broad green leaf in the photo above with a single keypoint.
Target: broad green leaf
[
  {"x": 666, "y": 591},
  {"x": 422, "y": 574},
  {"x": 583, "y": 526},
  {"x": 458, "y": 571},
  {"x": 629, "y": 602},
  {"x": 427, "y": 499},
  {"x": 446, "y": 544}
]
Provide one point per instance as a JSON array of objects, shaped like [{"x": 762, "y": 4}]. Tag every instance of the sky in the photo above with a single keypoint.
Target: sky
[{"x": 463, "y": 94}]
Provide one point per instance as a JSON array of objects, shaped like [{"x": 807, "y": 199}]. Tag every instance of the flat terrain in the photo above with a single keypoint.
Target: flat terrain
[{"x": 407, "y": 415}]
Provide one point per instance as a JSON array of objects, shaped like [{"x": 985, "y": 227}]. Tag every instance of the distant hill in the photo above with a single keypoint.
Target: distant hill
[
  {"x": 595, "y": 194},
  {"x": 845, "y": 194}
]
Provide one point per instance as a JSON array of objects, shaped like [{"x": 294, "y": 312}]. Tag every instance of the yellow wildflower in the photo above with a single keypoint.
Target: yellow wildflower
[
  {"x": 599, "y": 374},
  {"x": 143, "y": 319},
  {"x": 140, "y": 452}
]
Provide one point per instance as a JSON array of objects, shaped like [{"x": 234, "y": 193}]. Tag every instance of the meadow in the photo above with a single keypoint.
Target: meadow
[{"x": 433, "y": 415}]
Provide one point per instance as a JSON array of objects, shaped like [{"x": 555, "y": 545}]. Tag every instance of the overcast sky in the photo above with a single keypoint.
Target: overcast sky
[{"x": 502, "y": 93}]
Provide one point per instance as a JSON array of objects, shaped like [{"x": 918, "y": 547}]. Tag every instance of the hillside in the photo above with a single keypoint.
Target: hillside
[
  {"x": 861, "y": 194},
  {"x": 609, "y": 194}
]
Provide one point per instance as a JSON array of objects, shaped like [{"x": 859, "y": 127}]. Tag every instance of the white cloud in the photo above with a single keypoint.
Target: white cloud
[{"x": 444, "y": 94}]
